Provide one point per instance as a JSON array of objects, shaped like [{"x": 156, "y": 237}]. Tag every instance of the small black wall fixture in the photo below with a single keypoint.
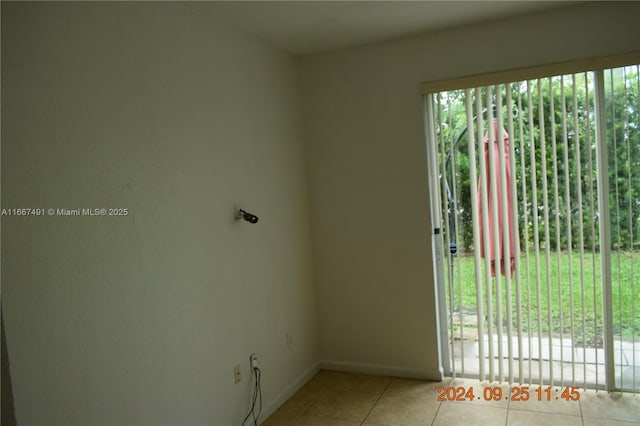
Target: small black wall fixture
[{"x": 251, "y": 218}]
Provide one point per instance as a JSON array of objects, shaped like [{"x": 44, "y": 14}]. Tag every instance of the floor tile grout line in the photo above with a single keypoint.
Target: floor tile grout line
[
  {"x": 377, "y": 400},
  {"x": 304, "y": 413},
  {"x": 509, "y": 396},
  {"x": 435, "y": 416},
  {"x": 581, "y": 415},
  {"x": 546, "y": 412},
  {"x": 604, "y": 419}
]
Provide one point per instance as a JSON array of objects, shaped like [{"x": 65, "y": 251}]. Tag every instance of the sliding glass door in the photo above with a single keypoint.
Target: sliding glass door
[{"x": 536, "y": 206}]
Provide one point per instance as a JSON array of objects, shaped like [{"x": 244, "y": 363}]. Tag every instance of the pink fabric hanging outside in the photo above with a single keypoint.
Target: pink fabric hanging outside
[{"x": 496, "y": 218}]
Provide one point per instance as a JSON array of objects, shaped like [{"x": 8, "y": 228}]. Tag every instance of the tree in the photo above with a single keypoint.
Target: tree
[{"x": 568, "y": 119}]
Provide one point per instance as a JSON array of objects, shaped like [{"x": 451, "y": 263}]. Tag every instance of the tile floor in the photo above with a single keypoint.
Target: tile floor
[{"x": 345, "y": 399}]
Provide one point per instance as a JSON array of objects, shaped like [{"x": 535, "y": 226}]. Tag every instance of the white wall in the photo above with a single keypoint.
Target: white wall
[
  {"x": 368, "y": 176},
  {"x": 140, "y": 319}
]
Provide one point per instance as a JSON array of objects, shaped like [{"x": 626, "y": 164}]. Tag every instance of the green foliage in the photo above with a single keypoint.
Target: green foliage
[
  {"x": 624, "y": 157},
  {"x": 570, "y": 158}
]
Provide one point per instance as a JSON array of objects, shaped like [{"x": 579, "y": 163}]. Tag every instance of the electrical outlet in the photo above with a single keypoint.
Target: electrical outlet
[
  {"x": 253, "y": 360},
  {"x": 237, "y": 374}
]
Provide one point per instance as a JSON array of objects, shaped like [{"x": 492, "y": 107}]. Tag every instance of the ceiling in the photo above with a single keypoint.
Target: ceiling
[{"x": 303, "y": 27}]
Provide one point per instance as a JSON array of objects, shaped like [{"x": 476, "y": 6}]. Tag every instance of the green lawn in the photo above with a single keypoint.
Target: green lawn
[{"x": 559, "y": 282}]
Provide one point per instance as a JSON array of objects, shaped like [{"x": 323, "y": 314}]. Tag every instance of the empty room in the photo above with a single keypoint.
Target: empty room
[{"x": 320, "y": 213}]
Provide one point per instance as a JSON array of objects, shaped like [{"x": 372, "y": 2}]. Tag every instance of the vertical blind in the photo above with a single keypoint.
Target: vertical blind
[{"x": 539, "y": 199}]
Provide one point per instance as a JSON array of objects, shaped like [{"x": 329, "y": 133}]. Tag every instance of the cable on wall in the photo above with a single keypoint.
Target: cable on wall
[{"x": 256, "y": 398}]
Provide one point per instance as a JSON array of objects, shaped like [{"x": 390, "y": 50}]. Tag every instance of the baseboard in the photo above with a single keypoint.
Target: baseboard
[
  {"x": 381, "y": 370},
  {"x": 289, "y": 391}
]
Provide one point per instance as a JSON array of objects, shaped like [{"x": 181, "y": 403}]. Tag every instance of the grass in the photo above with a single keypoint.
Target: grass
[{"x": 563, "y": 289}]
